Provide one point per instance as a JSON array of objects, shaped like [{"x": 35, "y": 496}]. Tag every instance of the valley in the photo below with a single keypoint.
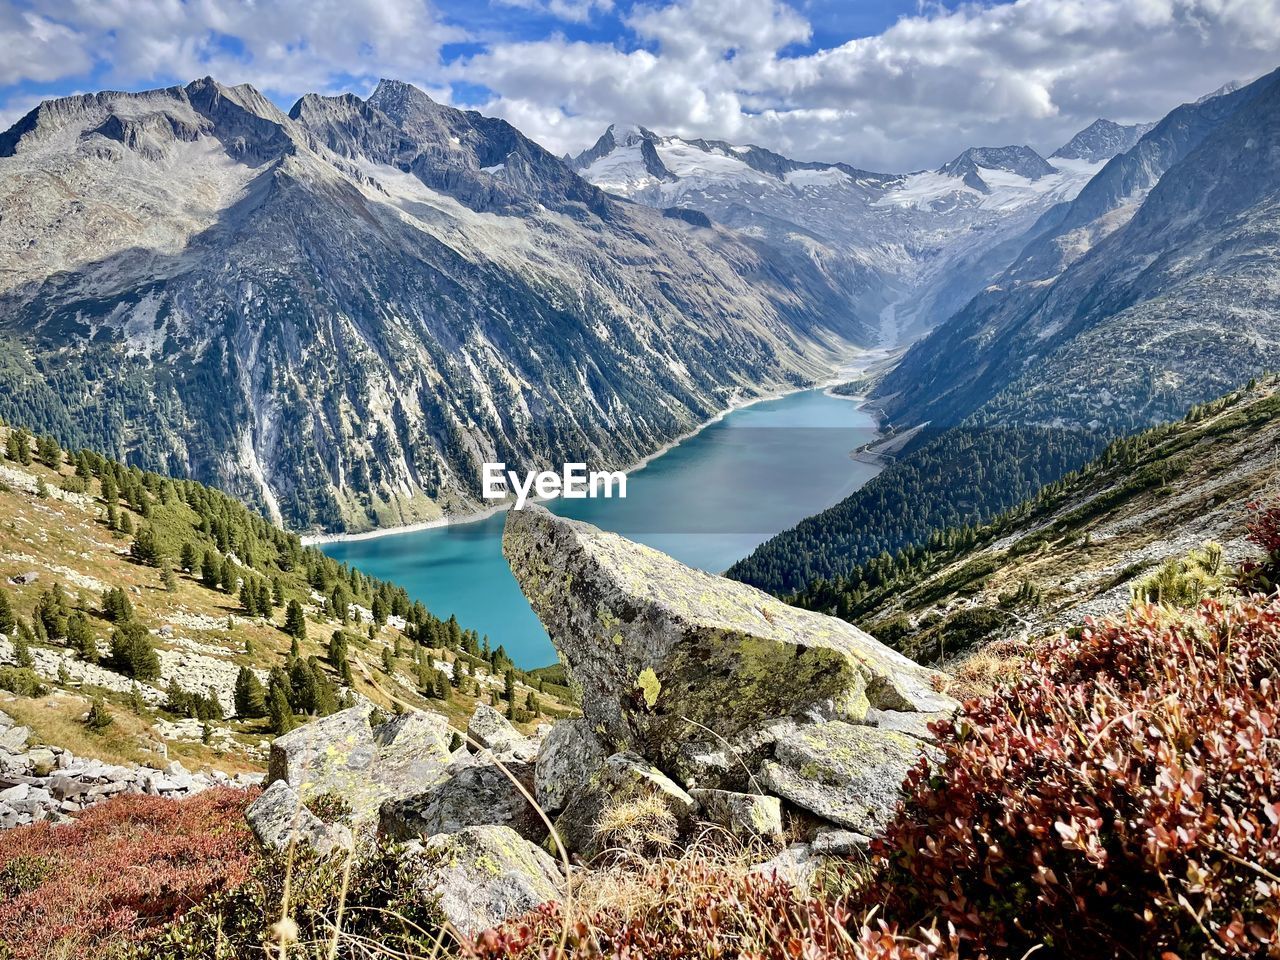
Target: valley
[
  {"x": 708, "y": 501},
  {"x": 939, "y": 621}
]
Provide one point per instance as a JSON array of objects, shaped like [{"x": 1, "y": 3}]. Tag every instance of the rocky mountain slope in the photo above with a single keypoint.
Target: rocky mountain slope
[
  {"x": 1151, "y": 290},
  {"x": 338, "y": 314},
  {"x": 906, "y": 248}
]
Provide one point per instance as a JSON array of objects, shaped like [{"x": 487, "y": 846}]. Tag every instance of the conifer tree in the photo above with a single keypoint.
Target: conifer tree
[
  {"x": 278, "y": 709},
  {"x": 250, "y": 695},
  {"x": 7, "y": 622},
  {"x": 22, "y": 647},
  {"x": 133, "y": 653},
  {"x": 80, "y": 637},
  {"x": 295, "y": 623},
  {"x": 116, "y": 606}
]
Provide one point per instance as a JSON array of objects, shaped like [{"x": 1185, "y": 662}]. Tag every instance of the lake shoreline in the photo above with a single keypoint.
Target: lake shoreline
[{"x": 842, "y": 374}]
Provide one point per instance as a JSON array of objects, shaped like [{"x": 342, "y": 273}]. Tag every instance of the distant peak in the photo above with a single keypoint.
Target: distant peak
[
  {"x": 1102, "y": 140},
  {"x": 1016, "y": 158},
  {"x": 403, "y": 102}
]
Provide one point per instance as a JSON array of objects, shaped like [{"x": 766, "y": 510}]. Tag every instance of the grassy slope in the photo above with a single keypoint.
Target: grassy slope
[
  {"x": 1078, "y": 549},
  {"x": 68, "y": 542}
]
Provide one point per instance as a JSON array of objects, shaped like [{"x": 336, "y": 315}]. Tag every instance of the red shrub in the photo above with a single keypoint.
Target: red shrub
[
  {"x": 1121, "y": 800},
  {"x": 1264, "y": 533},
  {"x": 125, "y": 868},
  {"x": 698, "y": 911}
]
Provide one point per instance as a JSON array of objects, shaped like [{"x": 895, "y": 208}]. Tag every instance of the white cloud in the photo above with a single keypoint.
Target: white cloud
[
  {"x": 992, "y": 73},
  {"x": 290, "y": 46},
  {"x": 1029, "y": 71}
]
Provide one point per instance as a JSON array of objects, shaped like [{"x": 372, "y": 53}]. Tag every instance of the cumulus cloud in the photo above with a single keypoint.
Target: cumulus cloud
[
  {"x": 289, "y": 46},
  {"x": 1030, "y": 71},
  {"x": 573, "y": 11}
]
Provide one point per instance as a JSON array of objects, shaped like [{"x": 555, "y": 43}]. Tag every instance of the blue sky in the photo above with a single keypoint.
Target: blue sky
[{"x": 882, "y": 84}]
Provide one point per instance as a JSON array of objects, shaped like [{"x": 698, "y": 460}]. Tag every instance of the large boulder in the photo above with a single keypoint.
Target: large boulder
[
  {"x": 483, "y": 875},
  {"x": 846, "y": 773},
  {"x": 489, "y": 730},
  {"x": 567, "y": 757},
  {"x": 279, "y": 817},
  {"x": 747, "y": 816},
  {"x": 365, "y": 765},
  {"x": 472, "y": 791},
  {"x": 665, "y": 654}
]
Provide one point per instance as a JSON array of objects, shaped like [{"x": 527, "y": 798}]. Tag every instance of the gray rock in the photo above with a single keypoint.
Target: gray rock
[
  {"x": 490, "y": 730},
  {"x": 15, "y": 794},
  {"x": 664, "y": 652},
  {"x": 569, "y": 754},
  {"x": 622, "y": 778},
  {"x": 840, "y": 843},
  {"x": 483, "y": 875},
  {"x": 848, "y": 774},
  {"x": 472, "y": 791},
  {"x": 745, "y": 815},
  {"x": 795, "y": 866},
  {"x": 365, "y": 766},
  {"x": 13, "y": 739},
  {"x": 279, "y": 816},
  {"x": 913, "y": 724},
  {"x": 43, "y": 761}
]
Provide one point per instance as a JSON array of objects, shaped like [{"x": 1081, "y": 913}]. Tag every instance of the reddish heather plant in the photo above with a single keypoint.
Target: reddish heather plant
[
  {"x": 1121, "y": 800},
  {"x": 697, "y": 910},
  {"x": 127, "y": 867},
  {"x": 1263, "y": 525}
]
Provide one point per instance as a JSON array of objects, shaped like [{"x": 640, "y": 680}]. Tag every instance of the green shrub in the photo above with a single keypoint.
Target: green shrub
[{"x": 23, "y": 681}]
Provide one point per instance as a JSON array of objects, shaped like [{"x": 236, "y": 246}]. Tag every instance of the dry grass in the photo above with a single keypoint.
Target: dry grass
[
  {"x": 56, "y": 719},
  {"x": 979, "y": 673},
  {"x": 641, "y": 825}
]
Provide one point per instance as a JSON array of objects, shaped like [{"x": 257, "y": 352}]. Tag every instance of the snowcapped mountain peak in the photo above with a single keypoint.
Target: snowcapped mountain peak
[
  {"x": 1019, "y": 160},
  {"x": 1101, "y": 140},
  {"x": 630, "y": 134}
]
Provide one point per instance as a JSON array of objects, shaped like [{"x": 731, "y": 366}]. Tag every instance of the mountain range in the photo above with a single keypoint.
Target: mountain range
[
  {"x": 1152, "y": 289},
  {"x": 341, "y": 312},
  {"x": 907, "y": 248}
]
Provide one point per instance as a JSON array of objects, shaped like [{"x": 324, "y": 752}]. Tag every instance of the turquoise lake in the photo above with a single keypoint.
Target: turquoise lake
[{"x": 708, "y": 502}]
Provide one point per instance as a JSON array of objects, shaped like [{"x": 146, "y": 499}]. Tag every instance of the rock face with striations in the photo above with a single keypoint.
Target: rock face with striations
[{"x": 674, "y": 662}]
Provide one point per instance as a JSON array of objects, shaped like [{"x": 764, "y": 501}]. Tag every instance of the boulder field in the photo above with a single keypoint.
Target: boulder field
[{"x": 703, "y": 698}]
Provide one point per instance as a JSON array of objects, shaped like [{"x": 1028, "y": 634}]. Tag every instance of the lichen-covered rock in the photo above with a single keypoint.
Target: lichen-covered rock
[
  {"x": 841, "y": 843},
  {"x": 472, "y": 791},
  {"x": 365, "y": 765},
  {"x": 13, "y": 738},
  {"x": 745, "y": 815},
  {"x": 846, "y": 773},
  {"x": 912, "y": 724},
  {"x": 490, "y": 730},
  {"x": 623, "y": 777},
  {"x": 569, "y": 754},
  {"x": 483, "y": 875},
  {"x": 664, "y": 652},
  {"x": 796, "y": 866},
  {"x": 279, "y": 816}
]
